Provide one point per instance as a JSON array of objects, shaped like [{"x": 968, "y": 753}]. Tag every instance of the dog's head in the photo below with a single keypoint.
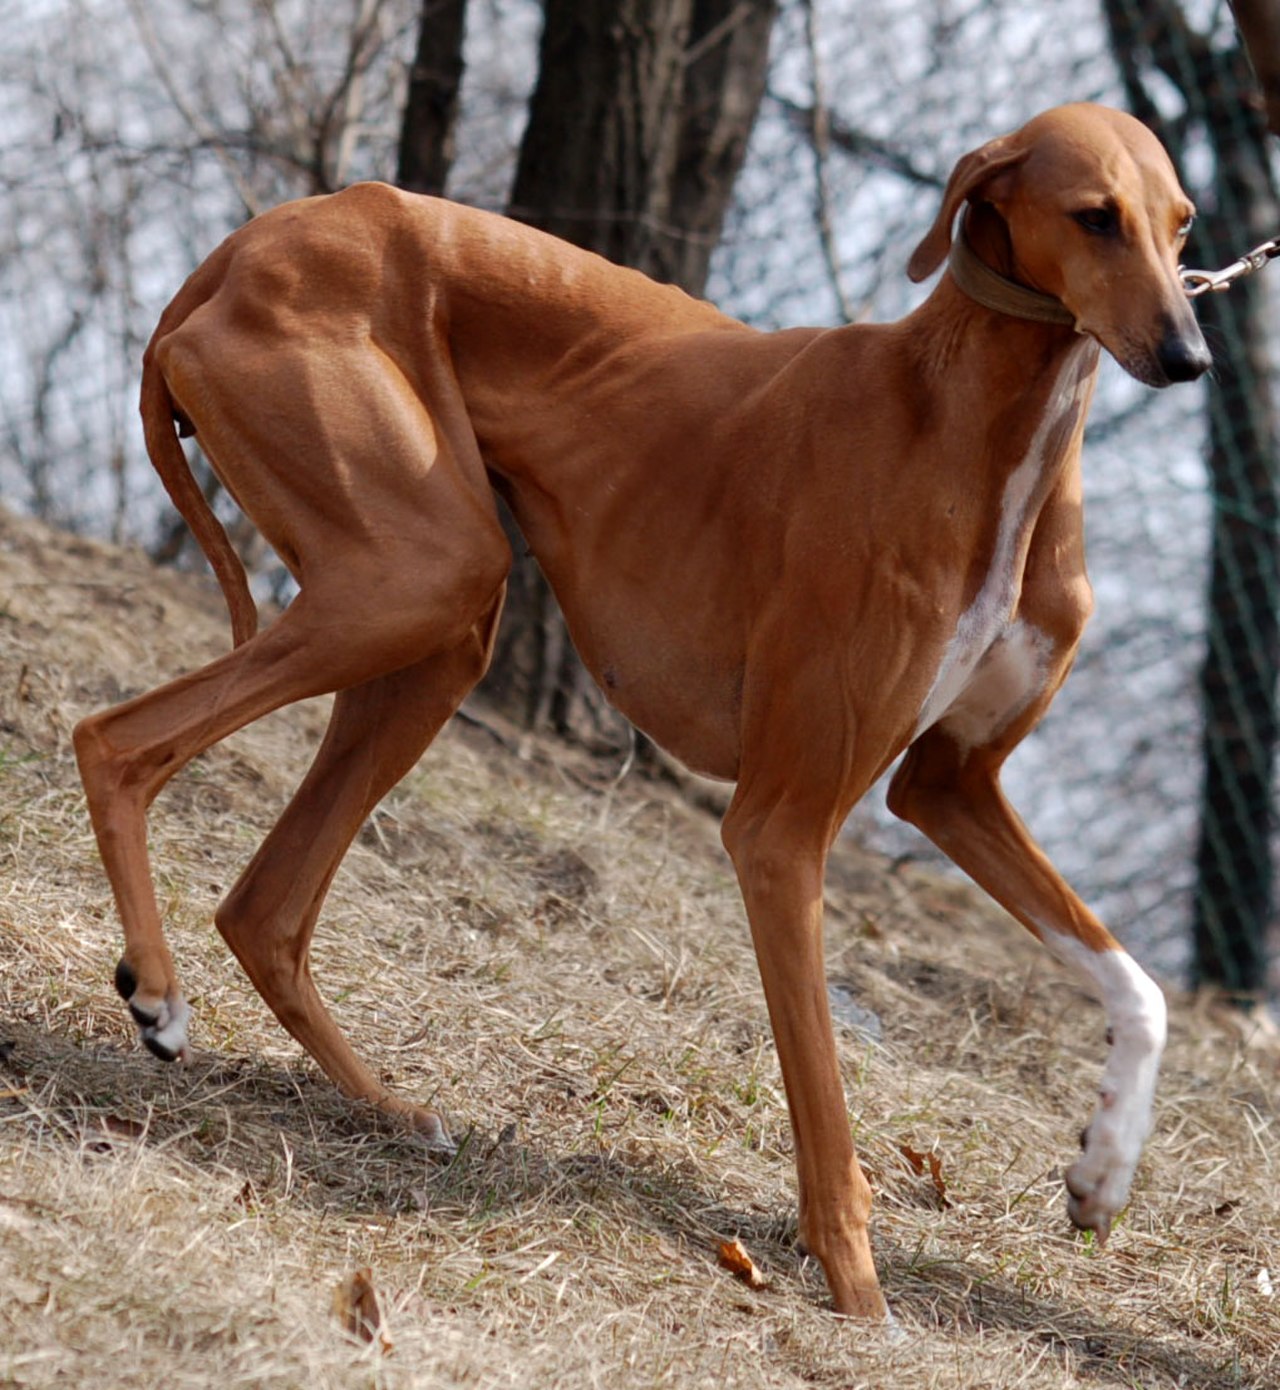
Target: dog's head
[{"x": 1087, "y": 209}]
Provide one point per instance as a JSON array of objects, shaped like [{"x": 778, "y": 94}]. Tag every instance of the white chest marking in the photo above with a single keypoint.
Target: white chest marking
[
  {"x": 993, "y": 666},
  {"x": 1005, "y": 680}
]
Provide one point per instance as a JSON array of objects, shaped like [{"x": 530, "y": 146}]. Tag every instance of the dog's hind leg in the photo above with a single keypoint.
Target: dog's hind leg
[
  {"x": 379, "y": 504},
  {"x": 376, "y": 733},
  {"x": 415, "y": 582},
  {"x": 128, "y": 753}
]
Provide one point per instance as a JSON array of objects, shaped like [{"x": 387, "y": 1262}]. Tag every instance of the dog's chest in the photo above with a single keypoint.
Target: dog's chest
[{"x": 996, "y": 662}]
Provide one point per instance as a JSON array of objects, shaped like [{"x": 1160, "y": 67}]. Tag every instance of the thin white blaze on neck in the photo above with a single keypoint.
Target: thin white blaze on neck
[{"x": 988, "y": 617}]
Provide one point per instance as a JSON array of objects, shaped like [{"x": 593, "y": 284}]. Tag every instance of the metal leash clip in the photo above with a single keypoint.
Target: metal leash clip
[{"x": 1197, "y": 282}]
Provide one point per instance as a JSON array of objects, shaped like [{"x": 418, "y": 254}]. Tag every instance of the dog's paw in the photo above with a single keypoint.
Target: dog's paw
[
  {"x": 1098, "y": 1182},
  {"x": 430, "y": 1129},
  {"x": 1094, "y": 1207},
  {"x": 162, "y": 1021}
]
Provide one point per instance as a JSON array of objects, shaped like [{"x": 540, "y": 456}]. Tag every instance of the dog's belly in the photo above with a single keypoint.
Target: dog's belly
[
  {"x": 655, "y": 607},
  {"x": 683, "y": 693},
  {"x": 690, "y": 710}
]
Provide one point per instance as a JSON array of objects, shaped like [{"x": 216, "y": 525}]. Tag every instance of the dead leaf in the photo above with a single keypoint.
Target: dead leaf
[
  {"x": 733, "y": 1256},
  {"x": 122, "y": 1127},
  {"x": 919, "y": 1162},
  {"x": 355, "y": 1305},
  {"x": 113, "y": 1131}
]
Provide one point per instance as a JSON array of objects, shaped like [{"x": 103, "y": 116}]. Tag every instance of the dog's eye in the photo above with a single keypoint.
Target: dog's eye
[
  {"x": 1185, "y": 229},
  {"x": 1099, "y": 221}
]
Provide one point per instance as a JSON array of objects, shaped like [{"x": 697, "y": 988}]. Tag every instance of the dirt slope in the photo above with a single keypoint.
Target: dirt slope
[{"x": 563, "y": 966}]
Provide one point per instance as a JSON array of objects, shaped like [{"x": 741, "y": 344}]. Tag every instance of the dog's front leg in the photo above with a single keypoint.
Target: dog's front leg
[
  {"x": 954, "y": 796},
  {"x": 780, "y": 859}
]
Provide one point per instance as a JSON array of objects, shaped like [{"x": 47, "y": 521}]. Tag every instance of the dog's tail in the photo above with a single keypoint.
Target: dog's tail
[{"x": 159, "y": 416}]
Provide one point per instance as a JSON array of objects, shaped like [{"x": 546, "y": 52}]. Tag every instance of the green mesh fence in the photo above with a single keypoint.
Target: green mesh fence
[{"x": 1220, "y": 141}]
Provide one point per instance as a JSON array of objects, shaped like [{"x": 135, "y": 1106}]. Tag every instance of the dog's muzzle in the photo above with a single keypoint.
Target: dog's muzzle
[{"x": 1183, "y": 354}]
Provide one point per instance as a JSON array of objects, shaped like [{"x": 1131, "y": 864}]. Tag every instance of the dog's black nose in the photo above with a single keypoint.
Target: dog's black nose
[{"x": 1183, "y": 354}]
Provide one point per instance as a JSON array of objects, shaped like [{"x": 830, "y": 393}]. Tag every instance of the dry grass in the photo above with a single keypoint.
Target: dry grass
[{"x": 567, "y": 973}]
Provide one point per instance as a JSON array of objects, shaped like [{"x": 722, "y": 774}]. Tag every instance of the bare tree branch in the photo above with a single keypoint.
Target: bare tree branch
[
  {"x": 212, "y": 139},
  {"x": 860, "y": 145},
  {"x": 820, "y": 143}
]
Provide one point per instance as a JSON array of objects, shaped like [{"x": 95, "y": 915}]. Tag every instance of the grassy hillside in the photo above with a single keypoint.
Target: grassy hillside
[{"x": 563, "y": 966}]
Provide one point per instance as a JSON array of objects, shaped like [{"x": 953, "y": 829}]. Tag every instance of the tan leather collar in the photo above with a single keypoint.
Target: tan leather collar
[{"x": 993, "y": 291}]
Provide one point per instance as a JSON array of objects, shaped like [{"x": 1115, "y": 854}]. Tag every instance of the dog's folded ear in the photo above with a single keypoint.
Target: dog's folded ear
[{"x": 975, "y": 174}]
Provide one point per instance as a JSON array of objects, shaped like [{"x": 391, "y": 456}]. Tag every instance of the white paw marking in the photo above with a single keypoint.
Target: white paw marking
[
  {"x": 431, "y": 1129},
  {"x": 1098, "y": 1182},
  {"x": 171, "y": 1031},
  {"x": 894, "y": 1332},
  {"x": 162, "y": 1025}
]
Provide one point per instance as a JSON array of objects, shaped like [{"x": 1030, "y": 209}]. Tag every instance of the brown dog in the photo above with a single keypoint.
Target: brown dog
[{"x": 787, "y": 557}]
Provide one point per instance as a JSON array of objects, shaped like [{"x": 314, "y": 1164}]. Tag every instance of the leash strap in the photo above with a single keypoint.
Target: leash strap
[{"x": 994, "y": 291}]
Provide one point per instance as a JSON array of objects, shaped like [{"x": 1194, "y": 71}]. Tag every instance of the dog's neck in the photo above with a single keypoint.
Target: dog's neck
[{"x": 993, "y": 289}]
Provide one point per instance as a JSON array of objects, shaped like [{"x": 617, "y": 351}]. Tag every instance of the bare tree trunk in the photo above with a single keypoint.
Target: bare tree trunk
[
  {"x": 725, "y": 66},
  {"x": 599, "y": 149},
  {"x": 1234, "y": 891},
  {"x": 1259, "y": 22},
  {"x": 431, "y": 107},
  {"x": 637, "y": 129}
]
